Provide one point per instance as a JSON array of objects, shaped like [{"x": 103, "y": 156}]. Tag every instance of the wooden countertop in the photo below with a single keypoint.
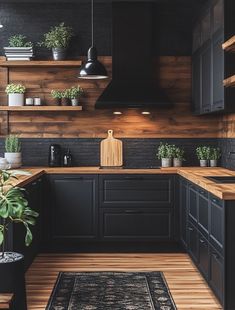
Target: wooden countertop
[{"x": 194, "y": 174}]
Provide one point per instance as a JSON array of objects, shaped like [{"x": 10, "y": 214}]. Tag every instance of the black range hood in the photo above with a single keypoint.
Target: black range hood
[{"x": 133, "y": 84}]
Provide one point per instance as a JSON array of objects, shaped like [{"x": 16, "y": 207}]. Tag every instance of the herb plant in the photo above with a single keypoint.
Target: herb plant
[
  {"x": 14, "y": 207},
  {"x": 75, "y": 92},
  {"x": 19, "y": 40},
  {"x": 203, "y": 152},
  {"x": 15, "y": 89},
  {"x": 165, "y": 150},
  {"x": 56, "y": 94},
  {"x": 12, "y": 144},
  {"x": 58, "y": 37},
  {"x": 178, "y": 153},
  {"x": 215, "y": 153}
]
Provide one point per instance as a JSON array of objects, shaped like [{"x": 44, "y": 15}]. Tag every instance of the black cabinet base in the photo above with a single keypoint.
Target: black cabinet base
[{"x": 115, "y": 247}]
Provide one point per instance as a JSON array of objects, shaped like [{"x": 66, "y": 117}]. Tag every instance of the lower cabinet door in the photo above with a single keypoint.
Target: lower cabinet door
[
  {"x": 203, "y": 256},
  {"x": 217, "y": 274},
  {"x": 193, "y": 241},
  {"x": 125, "y": 224}
]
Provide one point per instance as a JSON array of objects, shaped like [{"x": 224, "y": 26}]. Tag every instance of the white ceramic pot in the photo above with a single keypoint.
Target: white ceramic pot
[
  {"x": 15, "y": 100},
  {"x": 177, "y": 162},
  {"x": 14, "y": 159},
  {"x": 203, "y": 162},
  {"x": 166, "y": 162},
  {"x": 74, "y": 102},
  {"x": 214, "y": 163}
]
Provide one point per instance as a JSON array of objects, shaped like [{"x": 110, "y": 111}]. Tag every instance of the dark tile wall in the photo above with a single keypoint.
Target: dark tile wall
[
  {"x": 228, "y": 153},
  {"x": 137, "y": 152}
]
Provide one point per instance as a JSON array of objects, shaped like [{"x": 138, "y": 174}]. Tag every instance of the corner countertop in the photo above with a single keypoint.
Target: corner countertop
[{"x": 194, "y": 174}]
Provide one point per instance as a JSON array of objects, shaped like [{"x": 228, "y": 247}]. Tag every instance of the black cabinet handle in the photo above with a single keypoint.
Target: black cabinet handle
[
  {"x": 214, "y": 200},
  {"x": 202, "y": 241},
  {"x": 202, "y": 192},
  {"x": 133, "y": 212},
  {"x": 190, "y": 228}
]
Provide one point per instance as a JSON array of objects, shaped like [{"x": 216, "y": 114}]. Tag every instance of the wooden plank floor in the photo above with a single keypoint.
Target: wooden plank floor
[{"x": 188, "y": 288}]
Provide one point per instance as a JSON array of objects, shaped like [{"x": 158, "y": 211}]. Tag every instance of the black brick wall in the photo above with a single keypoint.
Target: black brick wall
[
  {"x": 227, "y": 146},
  {"x": 137, "y": 152}
]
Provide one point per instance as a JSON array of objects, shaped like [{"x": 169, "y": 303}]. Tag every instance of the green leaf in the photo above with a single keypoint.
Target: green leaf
[
  {"x": 1, "y": 237},
  {"x": 28, "y": 236}
]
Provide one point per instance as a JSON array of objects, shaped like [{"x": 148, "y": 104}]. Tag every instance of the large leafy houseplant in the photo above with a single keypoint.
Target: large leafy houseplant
[{"x": 14, "y": 208}]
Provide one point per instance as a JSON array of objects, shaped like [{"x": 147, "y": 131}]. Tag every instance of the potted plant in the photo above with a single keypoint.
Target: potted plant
[
  {"x": 215, "y": 155},
  {"x": 65, "y": 101},
  {"x": 178, "y": 157},
  {"x": 19, "y": 40},
  {"x": 58, "y": 39},
  {"x": 15, "y": 94},
  {"x": 13, "y": 151},
  {"x": 14, "y": 209},
  {"x": 57, "y": 96},
  {"x": 74, "y": 93},
  {"x": 19, "y": 48},
  {"x": 203, "y": 154},
  {"x": 165, "y": 154}
]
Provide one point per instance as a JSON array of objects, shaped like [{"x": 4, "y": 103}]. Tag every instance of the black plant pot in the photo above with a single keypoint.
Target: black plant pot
[{"x": 12, "y": 279}]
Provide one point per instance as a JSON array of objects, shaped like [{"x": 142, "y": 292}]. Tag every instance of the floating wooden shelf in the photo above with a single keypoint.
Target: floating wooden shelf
[
  {"x": 40, "y": 108},
  {"x": 229, "y": 46},
  {"x": 230, "y": 82},
  {"x": 40, "y": 63}
]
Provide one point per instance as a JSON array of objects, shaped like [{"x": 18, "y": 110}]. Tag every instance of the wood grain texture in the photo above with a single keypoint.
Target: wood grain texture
[
  {"x": 5, "y": 301},
  {"x": 230, "y": 81},
  {"x": 173, "y": 74},
  {"x": 41, "y": 108},
  {"x": 229, "y": 45},
  {"x": 42, "y": 63},
  {"x": 111, "y": 151},
  {"x": 188, "y": 288},
  {"x": 194, "y": 174}
]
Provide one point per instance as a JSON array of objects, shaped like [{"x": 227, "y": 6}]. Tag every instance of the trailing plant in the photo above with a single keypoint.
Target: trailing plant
[
  {"x": 14, "y": 207},
  {"x": 165, "y": 150},
  {"x": 58, "y": 37},
  {"x": 12, "y": 144},
  {"x": 57, "y": 94},
  {"x": 19, "y": 40},
  {"x": 15, "y": 89},
  {"x": 215, "y": 153},
  {"x": 75, "y": 92},
  {"x": 178, "y": 153},
  {"x": 203, "y": 152}
]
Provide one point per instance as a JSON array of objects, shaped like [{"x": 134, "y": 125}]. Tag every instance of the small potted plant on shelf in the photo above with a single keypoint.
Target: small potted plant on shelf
[
  {"x": 215, "y": 155},
  {"x": 75, "y": 93},
  {"x": 58, "y": 39},
  {"x": 65, "y": 101},
  {"x": 165, "y": 152},
  {"x": 57, "y": 96},
  {"x": 14, "y": 210},
  {"x": 19, "y": 48},
  {"x": 15, "y": 94},
  {"x": 13, "y": 151},
  {"x": 178, "y": 157},
  {"x": 203, "y": 154}
]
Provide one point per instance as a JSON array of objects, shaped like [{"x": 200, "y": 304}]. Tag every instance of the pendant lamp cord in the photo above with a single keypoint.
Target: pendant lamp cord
[{"x": 92, "y": 22}]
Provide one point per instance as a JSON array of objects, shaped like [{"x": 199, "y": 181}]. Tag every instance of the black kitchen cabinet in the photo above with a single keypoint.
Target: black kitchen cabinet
[
  {"x": 203, "y": 255},
  {"x": 72, "y": 208},
  {"x": 217, "y": 223},
  {"x": 203, "y": 212},
  {"x": 138, "y": 224},
  {"x": 193, "y": 203},
  {"x": 216, "y": 279},
  {"x": 196, "y": 82},
  {"x": 192, "y": 241},
  {"x": 183, "y": 211},
  {"x": 16, "y": 242}
]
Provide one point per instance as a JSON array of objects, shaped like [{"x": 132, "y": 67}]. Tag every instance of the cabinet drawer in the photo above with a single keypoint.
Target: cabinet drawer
[
  {"x": 203, "y": 256},
  {"x": 203, "y": 212},
  {"x": 192, "y": 238},
  {"x": 217, "y": 224},
  {"x": 217, "y": 274},
  {"x": 136, "y": 224},
  {"x": 193, "y": 203},
  {"x": 136, "y": 191}
]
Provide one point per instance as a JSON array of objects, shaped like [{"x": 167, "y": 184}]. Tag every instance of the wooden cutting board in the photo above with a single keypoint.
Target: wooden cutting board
[{"x": 111, "y": 151}]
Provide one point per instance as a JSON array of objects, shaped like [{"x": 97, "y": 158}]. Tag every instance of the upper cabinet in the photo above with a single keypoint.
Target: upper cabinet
[{"x": 209, "y": 59}]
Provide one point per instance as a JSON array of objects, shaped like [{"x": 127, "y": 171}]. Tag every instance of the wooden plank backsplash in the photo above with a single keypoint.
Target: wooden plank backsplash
[{"x": 174, "y": 74}]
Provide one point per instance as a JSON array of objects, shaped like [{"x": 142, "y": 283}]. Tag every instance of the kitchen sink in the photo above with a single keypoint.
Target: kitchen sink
[{"x": 222, "y": 179}]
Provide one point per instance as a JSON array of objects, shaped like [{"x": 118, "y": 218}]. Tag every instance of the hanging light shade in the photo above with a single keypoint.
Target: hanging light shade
[{"x": 92, "y": 69}]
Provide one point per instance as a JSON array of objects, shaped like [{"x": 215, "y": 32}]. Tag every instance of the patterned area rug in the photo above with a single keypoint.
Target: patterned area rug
[{"x": 111, "y": 291}]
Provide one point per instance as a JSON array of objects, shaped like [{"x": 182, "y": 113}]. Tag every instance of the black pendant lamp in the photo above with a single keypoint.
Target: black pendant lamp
[{"x": 92, "y": 69}]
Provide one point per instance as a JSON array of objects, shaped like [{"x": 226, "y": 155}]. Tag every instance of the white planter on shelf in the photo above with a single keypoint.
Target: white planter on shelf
[
  {"x": 15, "y": 100},
  {"x": 177, "y": 162},
  {"x": 75, "y": 102},
  {"x": 214, "y": 163},
  {"x": 166, "y": 162},
  {"x": 14, "y": 159},
  {"x": 203, "y": 162}
]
